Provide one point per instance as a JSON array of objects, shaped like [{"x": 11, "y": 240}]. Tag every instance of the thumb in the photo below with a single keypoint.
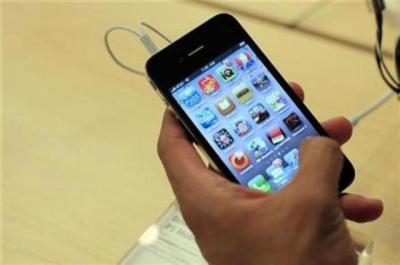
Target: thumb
[{"x": 321, "y": 162}]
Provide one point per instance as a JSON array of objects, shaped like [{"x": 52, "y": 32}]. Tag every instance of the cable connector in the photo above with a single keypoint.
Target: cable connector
[{"x": 148, "y": 43}]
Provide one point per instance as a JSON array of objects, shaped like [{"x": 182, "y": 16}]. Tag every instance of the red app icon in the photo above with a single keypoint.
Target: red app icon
[
  {"x": 276, "y": 135},
  {"x": 208, "y": 84},
  {"x": 239, "y": 160}
]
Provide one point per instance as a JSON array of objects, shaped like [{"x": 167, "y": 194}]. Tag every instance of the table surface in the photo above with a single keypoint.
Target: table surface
[{"x": 81, "y": 178}]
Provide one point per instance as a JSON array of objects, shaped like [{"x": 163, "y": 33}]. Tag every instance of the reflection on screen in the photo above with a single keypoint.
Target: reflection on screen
[{"x": 246, "y": 117}]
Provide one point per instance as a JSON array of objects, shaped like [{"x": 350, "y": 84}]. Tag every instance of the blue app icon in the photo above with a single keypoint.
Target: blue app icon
[
  {"x": 206, "y": 117},
  {"x": 189, "y": 96},
  {"x": 292, "y": 159}
]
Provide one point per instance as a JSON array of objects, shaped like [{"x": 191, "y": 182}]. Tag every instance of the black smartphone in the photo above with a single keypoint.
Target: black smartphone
[{"x": 236, "y": 105}]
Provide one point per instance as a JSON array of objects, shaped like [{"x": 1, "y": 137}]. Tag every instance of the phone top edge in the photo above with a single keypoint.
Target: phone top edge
[{"x": 182, "y": 40}]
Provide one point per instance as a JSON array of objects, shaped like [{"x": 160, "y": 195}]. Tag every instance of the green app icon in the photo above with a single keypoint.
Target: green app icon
[{"x": 259, "y": 183}]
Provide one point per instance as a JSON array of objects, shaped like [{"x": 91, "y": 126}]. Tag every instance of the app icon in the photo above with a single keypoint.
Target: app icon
[
  {"x": 223, "y": 139},
  {"x": 257, "y": 147},
  {"x": 259, "y": 183},
  {"x": 261, "y": 82},
  {"x": 244, "y": 60},
  {"x": 226, "y": 71},
  {"x": 276, "y": 135},
  {"x": 242, "y": 92},
  {"x": 276, "y": 170},
  {"x": 293, "y": 122},
  {"x": 292, "y": 158},
  {"x": 258, "y": 113},
  {"x": 208, "y": 84},
  {"x": 206, "y": 117},
  {"x": 276, "y": 101},
  {"x": 225, "y": 106},
  {"x": 239, "y": 160},
  {"x": 241, "y": 127},
  {"x": 189, "y": 96}
]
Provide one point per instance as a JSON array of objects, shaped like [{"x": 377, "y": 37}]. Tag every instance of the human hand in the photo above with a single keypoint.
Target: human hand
[{"x": 304, "y": 223}]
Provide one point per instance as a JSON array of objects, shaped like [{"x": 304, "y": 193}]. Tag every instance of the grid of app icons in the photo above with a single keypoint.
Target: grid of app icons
[{"x": 247, "y": 119}]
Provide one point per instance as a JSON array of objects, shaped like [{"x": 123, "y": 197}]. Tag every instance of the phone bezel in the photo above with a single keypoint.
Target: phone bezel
[{"x": 177, "y": 61}]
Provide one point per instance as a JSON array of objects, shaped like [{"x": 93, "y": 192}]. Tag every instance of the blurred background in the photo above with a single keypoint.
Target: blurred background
[{"x": 81, "y": 179}]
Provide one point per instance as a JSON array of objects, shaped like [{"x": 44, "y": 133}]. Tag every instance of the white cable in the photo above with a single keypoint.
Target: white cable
[
  {"x": 355, "y": 119},
  {"x": 110, "y": 52},
  {"x": 143, "y": 37}
]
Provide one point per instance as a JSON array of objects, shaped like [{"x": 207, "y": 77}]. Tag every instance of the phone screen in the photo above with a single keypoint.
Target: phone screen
[{"x": 246, "y": 117}]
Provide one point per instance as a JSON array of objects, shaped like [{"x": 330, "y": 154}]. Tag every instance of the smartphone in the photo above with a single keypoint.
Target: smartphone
[{"x": 235, "y": 104}]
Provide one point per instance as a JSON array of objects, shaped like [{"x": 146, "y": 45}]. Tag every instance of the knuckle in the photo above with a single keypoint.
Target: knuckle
[{"x": 320, "y": 144}]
